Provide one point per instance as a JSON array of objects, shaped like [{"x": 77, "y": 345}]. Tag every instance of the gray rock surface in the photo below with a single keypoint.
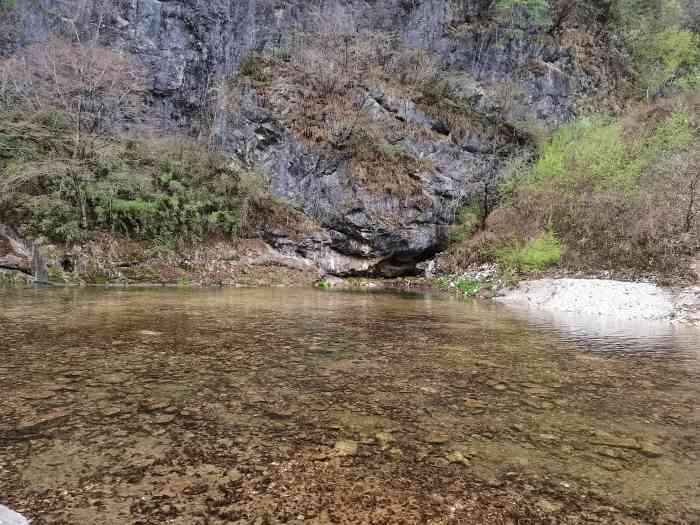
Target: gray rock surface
[
  {"x": 9, "y": 517},
  {"x": 17, "y": 255},
  {"x": 14, "y": 254}
]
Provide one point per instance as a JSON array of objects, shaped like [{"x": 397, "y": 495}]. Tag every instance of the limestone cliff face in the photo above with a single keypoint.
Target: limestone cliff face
[{"x": 189, "y": 45}]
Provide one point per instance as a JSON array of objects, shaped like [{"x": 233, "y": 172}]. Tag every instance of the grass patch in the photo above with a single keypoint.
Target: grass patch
[
  {"x": 536, "y": 255},
  {"x": 467, "y": 285},
  {"x": 464, "y": 284}
]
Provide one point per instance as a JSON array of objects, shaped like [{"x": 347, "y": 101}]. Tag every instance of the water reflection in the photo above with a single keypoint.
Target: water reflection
[{"x": 605, "y": 334}]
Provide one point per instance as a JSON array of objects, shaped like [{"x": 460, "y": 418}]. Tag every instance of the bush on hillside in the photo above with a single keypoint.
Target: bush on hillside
[
  {"x": 662, "y": 48},
  {"x": 612, "y": 191},
  {"x": 535, "y": 255},
  {"x": 143, "y": 188}
]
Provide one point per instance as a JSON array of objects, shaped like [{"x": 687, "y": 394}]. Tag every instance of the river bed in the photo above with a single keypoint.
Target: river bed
[{"x": 305, "y": 406}]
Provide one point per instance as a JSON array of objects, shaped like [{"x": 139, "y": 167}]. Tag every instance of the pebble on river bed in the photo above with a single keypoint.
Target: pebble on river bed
[{"x": 345, "y": 448}]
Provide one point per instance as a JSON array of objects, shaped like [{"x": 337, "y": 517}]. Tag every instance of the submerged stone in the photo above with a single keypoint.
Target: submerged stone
[
  {"x": 651, "y": 450},
  {"x": 115, "y": 379},
  {"x": 436, "y": 439},
  {"x": 384, "y": 439},
  {"x": 345, "y": 448},
  {"x": 457, "y": 457},
  {"x": 151, "y": 333},
  {"x": 163, "y": 419}
]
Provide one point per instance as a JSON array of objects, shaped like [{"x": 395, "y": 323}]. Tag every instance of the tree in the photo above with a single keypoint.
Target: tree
[
  {"x": 659, "y": 45},
  {"x": 78, "y": 81}
]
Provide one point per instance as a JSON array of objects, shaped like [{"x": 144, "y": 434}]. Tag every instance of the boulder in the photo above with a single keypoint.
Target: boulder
[
  {"x": 8, "y": 517},
  {"x": 17, "y": 255},
  {"x": 14, "y": 254}
]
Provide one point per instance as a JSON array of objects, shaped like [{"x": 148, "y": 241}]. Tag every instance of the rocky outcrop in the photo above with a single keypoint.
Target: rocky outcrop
[
  {"x": 16, "y": 255},
  {"x": 189, "y": 46}
]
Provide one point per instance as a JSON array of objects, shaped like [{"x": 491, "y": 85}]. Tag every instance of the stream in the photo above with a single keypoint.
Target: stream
[{"x": 266, "y": 406}]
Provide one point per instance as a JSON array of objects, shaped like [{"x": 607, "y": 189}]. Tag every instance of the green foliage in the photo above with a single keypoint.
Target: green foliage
[
  {"x": 184, "y": 282},
  {"x": 660, "y": 46},
  {"x": 672, "y": 134},
  {"x": 191, "y": 193},
  {"x": 143, "y": 188},
  {"x": 462, "y": 283},
  {"x": 593, "y": 146},
  {"x": 254, "y": 66},
  {"x": 615, "y": 192},
  {"x": 593, "y": 152},
  {"x": 49, "y": 213},
  {"x": 658, "y": 56},
  {"x": 525, "y": 12},
  {"x": 7, "y": 5},
  {"x": 468, "y": 219},
  {"x": 690, "y": 81},
  {"x": 467, "y": 285},
  {"x": 539, "y": 253}
]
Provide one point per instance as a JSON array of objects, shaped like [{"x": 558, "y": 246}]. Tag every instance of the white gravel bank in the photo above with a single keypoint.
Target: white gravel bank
[{"x": 615, "y": 299}]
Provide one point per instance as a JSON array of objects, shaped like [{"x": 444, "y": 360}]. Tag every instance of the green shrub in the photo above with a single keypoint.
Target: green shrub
[
  {"x": 525, "y": 12},
  {"x": 588, "y": 150},
  {"x": 690, "y": 81},
  {"x": 598, "y": 154},
  {"x": 659, "y": 44},
  {"x": 142, "y": 188},
  {"x": 541, "y": 252},
  {"x": 468, "y": 219},
  {"x": 658, "y": 56},
  {"x": 615, "y": 192},
  {"x": 467, "y": 285}
]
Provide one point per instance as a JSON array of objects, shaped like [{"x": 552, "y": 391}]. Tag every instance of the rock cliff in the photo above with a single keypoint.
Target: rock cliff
[{"x": 513, "y": 80}]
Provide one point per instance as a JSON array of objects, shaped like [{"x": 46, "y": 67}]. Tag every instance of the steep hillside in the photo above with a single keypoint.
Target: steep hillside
[{"x": 348, "y": 134}]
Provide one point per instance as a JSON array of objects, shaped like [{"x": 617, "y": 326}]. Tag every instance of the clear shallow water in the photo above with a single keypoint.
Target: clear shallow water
[{"x": 269, "y": 406}]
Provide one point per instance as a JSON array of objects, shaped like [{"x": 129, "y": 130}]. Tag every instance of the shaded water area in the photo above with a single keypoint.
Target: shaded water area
[{"x": 303, "y": 406}]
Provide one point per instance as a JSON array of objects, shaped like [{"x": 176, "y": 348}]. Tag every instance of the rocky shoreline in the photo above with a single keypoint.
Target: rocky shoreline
[
  {"x": 255, "y": 263},
  {"x": 602, "y": 297}
]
